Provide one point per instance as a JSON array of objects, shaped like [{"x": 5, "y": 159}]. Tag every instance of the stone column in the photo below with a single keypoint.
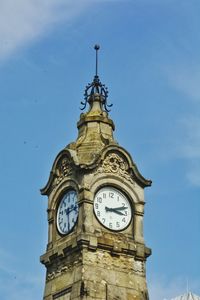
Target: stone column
[{"x": 138, "y": 223}]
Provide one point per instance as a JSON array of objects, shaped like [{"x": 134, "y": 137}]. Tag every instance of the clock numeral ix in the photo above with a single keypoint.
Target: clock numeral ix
[{"x": 99, "y": 199}]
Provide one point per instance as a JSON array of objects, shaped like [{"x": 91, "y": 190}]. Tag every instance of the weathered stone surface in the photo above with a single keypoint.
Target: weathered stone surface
[{"x": 92, "y": 262}]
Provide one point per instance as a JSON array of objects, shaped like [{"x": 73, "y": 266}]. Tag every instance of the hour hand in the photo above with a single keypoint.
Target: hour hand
[
  {"x": 67, "y": 211},
  {"x": 115, "y": 210}
]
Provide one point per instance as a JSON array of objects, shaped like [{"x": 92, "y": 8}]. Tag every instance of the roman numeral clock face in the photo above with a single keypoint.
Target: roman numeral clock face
[
  {"x": 112, "y": 209},
  {"x": 67, "y": 212}
]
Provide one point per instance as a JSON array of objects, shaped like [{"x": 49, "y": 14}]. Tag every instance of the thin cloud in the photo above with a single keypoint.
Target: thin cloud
[
  {"x": 193, "y": 174},
  {"x": 191, "y": 145},
  {"x": 21, "y": 285},
  {"x": 24, "y": 21},
  {"x": 189, "y": 148},
  {"x": 185, "y": 79}
]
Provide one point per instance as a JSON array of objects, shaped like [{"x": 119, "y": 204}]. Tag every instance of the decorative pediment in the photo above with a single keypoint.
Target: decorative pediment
[
  {"x": 63, "y": 167},
  {"x": 114, "y": 163},
  {"x": 116, "y": 160}
]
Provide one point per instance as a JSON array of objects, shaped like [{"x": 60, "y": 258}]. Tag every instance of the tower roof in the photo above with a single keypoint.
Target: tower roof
[
  {"x": 187, "y": 296},
  {"x": 96, "y": 88},
  {"x": 95, "y": 141}
]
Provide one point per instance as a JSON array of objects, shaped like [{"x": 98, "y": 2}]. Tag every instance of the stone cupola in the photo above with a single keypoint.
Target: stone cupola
[{"x": 96, "y": 248}]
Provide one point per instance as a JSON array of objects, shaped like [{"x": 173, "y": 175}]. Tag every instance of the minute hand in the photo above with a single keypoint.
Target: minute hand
[
  {"x": 121, "y": 208},
  {"x": 114, "y": 210}
]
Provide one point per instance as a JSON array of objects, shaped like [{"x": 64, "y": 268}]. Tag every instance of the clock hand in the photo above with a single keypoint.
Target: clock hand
[
  {"x": 68, "y": 223},
  {"x": 118, "y": 212},
  {"x": 69, "y": 209},
  {"x": 72, "y": 208},
  {"x": 121, "y": 208},
  {"x": 114, "y": 210}
]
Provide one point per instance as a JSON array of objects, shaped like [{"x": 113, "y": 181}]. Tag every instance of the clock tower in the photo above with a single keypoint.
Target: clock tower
[{"x": 96, "y": 248}]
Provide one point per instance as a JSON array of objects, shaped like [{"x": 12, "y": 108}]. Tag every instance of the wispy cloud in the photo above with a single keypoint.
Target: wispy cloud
[
  {"x": 185, "y": 79},
  {"x": 14, "y": 283},
  {"x": 19, "y": 287},
  {"x": 24, "y": 21},
  {"x": 191, "y": 141},
  {"x": 190, "y": 148}
]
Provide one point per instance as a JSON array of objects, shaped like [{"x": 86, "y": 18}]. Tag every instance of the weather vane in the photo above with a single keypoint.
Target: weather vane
[{"x": 96, "y": 87}]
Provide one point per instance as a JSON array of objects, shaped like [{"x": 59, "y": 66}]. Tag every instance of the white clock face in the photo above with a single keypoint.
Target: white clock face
[
  {"x": 112, "y": 209},
  {"x": 67, "y": 212}
]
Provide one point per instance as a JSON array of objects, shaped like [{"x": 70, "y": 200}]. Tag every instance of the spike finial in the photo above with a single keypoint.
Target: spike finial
[
  {"x": 96, "y": 87},
  {"x": 96, "y": 47}
]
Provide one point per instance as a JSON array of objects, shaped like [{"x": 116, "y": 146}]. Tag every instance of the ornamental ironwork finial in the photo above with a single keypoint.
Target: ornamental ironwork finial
[{"x": 96, "y": 87}]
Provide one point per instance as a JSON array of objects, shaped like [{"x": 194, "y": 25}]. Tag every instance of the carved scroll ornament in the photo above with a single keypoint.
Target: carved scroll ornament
[
  {"x": 63, "y": 170},
  {"x": 115, "y": 164}
]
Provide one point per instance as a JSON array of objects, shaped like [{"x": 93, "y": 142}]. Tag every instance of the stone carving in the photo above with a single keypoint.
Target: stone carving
[
  {"x": 58, "y": 272},
  {"x": 114, "y": 163},
  {"x": 138, "y": 267},
  {"x": 60, "y": 269},
  {"x": 51, "y": 275},
  {"x": 63, "y": 170}
]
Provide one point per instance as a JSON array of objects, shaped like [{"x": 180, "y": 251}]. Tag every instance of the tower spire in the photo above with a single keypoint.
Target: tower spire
[
  {"x": 96, "y": 88},
  {"x": 96, "y": 47}
]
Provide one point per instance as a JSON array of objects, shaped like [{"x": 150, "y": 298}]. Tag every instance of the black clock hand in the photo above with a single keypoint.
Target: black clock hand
[
  {"x": 72, "y": 208},
  {"x": 118, "y": 212},
  {"x": 121, "y": 208},
  {"x": 69, "y": 209},
  {"x": 114, "y": 210},
  {"x": 68, "y": 223}
]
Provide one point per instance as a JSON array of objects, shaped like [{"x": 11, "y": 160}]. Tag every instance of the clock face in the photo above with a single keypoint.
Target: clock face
[
  {"x": 67, "y": 212},
  {"x": 112, "y": 209}
]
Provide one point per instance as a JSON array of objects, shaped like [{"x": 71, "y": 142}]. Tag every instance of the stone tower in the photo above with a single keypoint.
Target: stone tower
[{"x": 95, "y": 192}]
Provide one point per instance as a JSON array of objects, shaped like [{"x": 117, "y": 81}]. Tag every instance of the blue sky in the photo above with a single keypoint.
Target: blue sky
[{"x": 150, "y": 61}]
